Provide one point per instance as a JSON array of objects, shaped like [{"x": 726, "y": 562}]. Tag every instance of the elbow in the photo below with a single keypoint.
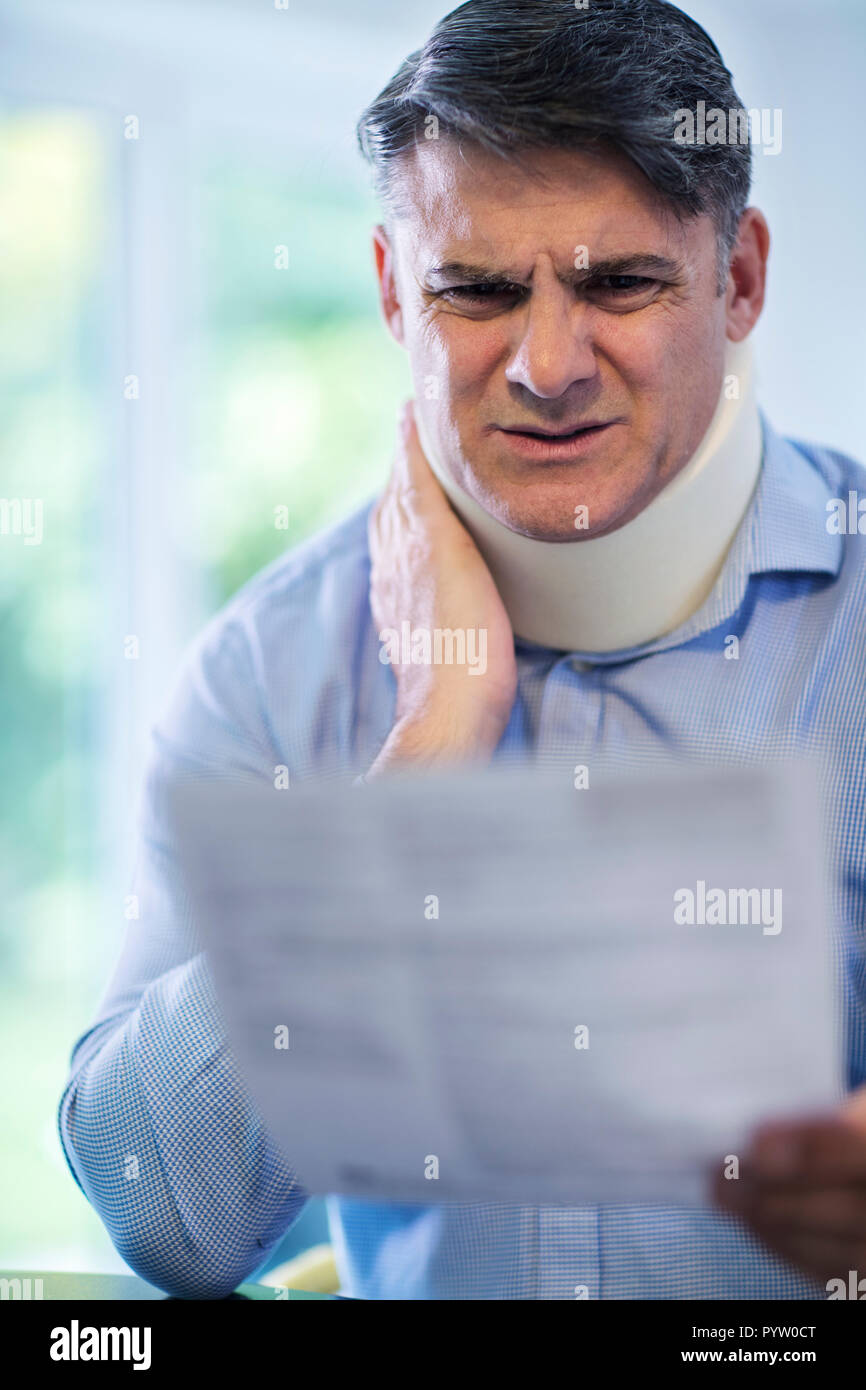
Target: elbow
[
  {"x": 202, "y": 1252},
  {"x": 183, "y": 1270},
  {"x": 190, "y": 1225}
]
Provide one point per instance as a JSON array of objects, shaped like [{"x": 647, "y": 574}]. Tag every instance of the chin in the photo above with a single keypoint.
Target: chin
[
  {"x": 549, "y": 528},
  {"x": 552, "y": 518}
]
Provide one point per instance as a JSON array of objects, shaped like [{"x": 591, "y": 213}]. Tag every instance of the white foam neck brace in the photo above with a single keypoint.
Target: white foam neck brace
[{"x": 642, "y": 581}]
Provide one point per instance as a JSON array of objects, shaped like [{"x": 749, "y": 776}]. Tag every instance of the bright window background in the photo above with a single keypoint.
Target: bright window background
[
  {"x": 257, "y": 388},
  {"x": 52, "y": 174}
]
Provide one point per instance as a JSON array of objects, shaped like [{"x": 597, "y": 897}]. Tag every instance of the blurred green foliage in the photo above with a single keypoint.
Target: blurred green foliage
[
  {"x": 299, "y": 382},
  {"x": 52, "y": 201},
  {"x": 292, "y": 403}
]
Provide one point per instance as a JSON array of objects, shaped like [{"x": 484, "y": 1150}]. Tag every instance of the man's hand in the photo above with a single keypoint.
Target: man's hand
[
  {"x": 427, "y": 571},
  {"x": 802, "y": 1189}
]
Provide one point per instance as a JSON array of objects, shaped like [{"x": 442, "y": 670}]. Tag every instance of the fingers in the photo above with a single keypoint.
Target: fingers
[
  {"x": 837, "y": 1212},
  {"x": 802, "y": 1190},
  {"x": 382, "y": 520},
  {"x": 413, "y": 503},
  {"x": 834, "y": 1213},
  {"x": 822, "y": 1232},
  {"x": 412, "y": 473},
  {"x": 826, "y": 1150},
  {"x": 826, "y": 1250}
]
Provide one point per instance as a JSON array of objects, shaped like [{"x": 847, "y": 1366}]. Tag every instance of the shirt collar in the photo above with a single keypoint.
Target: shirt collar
[{"x": 784, "y": 529}]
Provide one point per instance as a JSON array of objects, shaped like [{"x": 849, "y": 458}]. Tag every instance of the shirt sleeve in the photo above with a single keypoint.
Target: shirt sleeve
[{"x": 155, "y": 1121}]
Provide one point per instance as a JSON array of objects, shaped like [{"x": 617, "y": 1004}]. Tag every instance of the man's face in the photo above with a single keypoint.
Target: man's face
[{"x": 514, "y": 331}]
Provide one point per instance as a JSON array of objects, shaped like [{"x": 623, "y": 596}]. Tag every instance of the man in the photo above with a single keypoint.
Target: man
[{"x": 574, "y": 286}]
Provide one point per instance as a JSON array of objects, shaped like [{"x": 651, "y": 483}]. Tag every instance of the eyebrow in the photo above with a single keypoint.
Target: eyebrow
[{"x": 633, "y": 264}]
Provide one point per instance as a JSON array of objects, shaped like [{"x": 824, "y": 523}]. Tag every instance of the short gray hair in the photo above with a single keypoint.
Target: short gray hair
[{"x": 517, "y": 75}]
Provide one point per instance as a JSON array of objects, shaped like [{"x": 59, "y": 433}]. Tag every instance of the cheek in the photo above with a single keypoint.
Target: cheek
[
  {"x": 671, "y": 372},
  {"x": 644, "y": 350},
  {"x": 464, "y": 354},
  {"x": 671, "y": 348}
]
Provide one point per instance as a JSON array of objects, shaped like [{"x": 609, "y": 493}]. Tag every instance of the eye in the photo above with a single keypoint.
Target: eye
[
  {"x": 626, "y": 282},
  {"x": 483, "y": 295},
  {"x": 623, "y": 288}
]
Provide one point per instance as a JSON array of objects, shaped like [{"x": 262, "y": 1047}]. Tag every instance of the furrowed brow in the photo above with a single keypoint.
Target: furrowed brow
[
  {"x": 638, "y": 263},
  {"x": 469, "y": 274}
]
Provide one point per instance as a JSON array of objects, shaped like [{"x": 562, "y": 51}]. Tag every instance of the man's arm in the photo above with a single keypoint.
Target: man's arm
[{"x": 155, "y": 1122}]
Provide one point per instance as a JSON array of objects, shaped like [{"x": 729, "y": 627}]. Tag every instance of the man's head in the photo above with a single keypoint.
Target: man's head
[{"x": 553, "y": 260}]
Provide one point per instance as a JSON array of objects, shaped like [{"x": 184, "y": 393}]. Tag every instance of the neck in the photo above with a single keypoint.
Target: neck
[{"x": 643, "y": 580}]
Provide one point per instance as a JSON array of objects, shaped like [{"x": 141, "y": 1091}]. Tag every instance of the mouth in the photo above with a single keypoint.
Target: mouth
[{"x": 555, "y": 444}]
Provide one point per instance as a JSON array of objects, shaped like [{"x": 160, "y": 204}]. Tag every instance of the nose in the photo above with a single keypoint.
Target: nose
[{"x": 555, "y": 348}]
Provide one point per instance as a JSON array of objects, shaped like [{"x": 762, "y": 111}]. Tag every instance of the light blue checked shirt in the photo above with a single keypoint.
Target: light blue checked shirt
[{"x": 155, "y": 1123}]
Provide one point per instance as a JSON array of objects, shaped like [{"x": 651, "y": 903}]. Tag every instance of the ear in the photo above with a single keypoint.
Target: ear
[
  {"x": 747, "y": 276},
  {"x": 384, "y": 253}
]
